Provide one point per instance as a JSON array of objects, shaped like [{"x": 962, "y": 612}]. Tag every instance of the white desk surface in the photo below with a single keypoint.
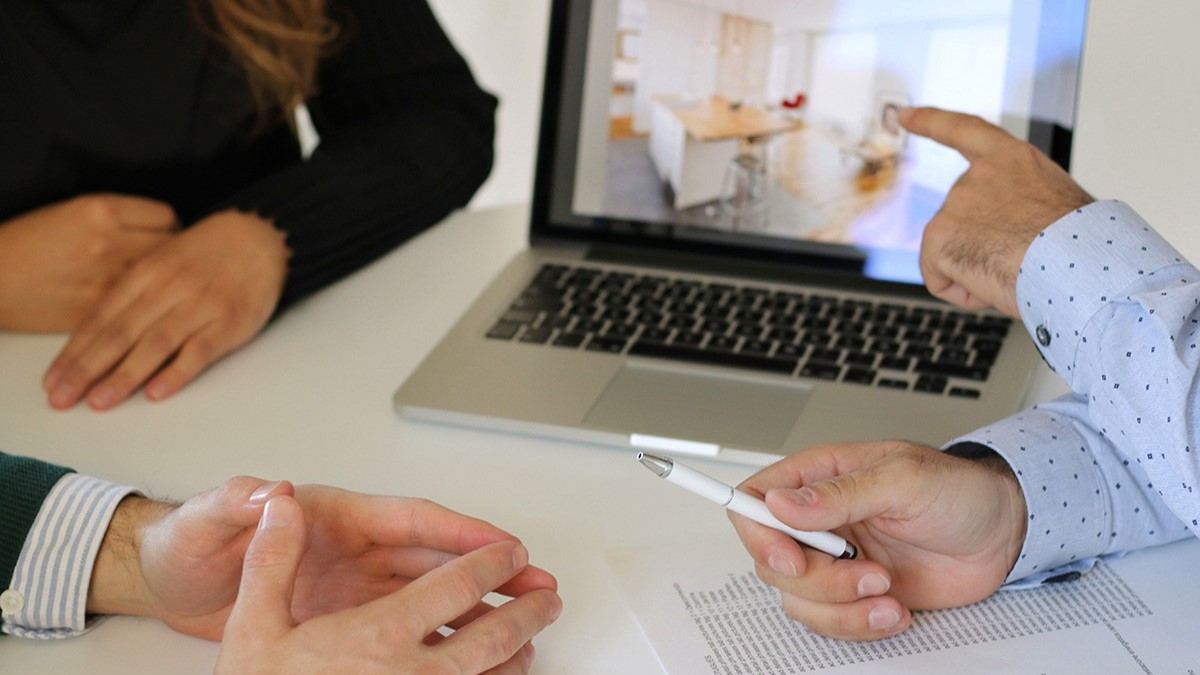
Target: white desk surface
[{"x": 310, "y": 401}]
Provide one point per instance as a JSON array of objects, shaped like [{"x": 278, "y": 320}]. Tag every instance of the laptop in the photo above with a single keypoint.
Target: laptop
[{"x": 726, "y": 222}]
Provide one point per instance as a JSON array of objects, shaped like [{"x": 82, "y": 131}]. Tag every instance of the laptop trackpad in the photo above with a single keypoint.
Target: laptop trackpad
[{"x": 733, "y": 411}]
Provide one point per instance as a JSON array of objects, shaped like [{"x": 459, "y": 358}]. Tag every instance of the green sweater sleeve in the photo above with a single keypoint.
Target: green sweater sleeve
[{"x": 24, "y": 484}]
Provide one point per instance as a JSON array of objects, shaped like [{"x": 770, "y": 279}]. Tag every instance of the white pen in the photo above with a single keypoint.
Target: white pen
[{"x": 745, "y": 504}]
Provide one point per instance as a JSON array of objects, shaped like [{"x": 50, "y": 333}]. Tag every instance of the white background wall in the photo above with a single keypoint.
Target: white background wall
[{"x": 1138, "y": 137}]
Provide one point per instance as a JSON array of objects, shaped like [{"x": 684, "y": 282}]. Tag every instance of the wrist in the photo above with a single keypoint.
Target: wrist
[
  {"x": 1014, "y": 507},
  {"x": 117, "y": 585}
]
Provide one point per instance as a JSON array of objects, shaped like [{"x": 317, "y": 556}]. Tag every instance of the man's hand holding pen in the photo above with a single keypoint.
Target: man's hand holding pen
[{"x": 933, "y": 530}]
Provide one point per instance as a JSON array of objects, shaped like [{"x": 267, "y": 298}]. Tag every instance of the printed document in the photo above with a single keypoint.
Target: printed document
[{"x": 704, "y": 611}]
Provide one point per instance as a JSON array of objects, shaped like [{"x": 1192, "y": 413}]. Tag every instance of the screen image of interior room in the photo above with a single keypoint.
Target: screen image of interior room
[{"x": 778, "y": 117}]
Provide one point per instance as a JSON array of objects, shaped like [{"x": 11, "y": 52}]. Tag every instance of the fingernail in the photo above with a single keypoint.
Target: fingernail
[
  {"x": 782, "y": 564},
  {"x": 882, "y": 618},
  {"x": 52, "y": 379},
  {"x": 557, "y": 611},
  {"x": 260, "y": 495},
  {"x": 62, "y": 396},
  {"x": 274, "y": 516},
  {"x": 872, "y": 584},
  {"x": 157, "y": 390},
  {"x": 102, "y": 396},
  {"x": 520, "y": 557}
]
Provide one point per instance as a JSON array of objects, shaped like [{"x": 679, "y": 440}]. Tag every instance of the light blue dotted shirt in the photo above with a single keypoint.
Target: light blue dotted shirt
[{"x": 1115, "y": 310}]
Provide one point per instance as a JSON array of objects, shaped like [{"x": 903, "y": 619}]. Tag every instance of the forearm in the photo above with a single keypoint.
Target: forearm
[
  {"x": 1083, "y": 498},
  {"x": 1116, "y": 311}
]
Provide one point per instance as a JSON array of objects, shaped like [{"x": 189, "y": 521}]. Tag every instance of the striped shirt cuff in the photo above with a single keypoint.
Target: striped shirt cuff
[{"x": 47, "y": 598}]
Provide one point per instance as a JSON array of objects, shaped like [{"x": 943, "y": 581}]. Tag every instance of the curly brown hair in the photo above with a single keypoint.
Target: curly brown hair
[{"x": 278, "y": 43}]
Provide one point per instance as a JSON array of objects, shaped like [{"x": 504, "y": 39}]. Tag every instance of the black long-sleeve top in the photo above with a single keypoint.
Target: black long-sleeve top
[{"x": 130, "y": 96}]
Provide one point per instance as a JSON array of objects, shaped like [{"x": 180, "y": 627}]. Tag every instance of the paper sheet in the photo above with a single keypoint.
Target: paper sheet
[{"x": 704, "y": 611}]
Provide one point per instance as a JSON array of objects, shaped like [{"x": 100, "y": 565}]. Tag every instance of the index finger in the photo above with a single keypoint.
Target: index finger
[
  {"x": 819, "y": 462},
  {"x": 403, "y": 521},
  {"x": 970, "y": 135}
]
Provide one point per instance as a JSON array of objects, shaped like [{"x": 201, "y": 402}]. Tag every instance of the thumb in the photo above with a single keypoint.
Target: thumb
[
  {"x": 269, "y": 572},
  {"x": 824, "y": 505}
]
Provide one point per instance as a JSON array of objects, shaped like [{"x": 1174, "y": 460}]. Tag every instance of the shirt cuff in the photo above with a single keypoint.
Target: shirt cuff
[
  {"x": 1077, "y": 266},
  {"x": 1069, "y": 513},
  {"x": 47, "y": 598}
]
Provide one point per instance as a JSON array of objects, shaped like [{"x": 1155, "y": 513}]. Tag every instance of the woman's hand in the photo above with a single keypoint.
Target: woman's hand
[
  {"x": 57, "y": 262},
  {"x": 178, "y": 310}
]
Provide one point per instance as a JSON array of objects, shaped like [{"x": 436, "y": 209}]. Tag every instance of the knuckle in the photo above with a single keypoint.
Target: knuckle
[
  {"x": 502, "y": 640},
  {"x": 202, "y": 349},
  {"x": 463, "y": 589},
  {"x": 99, "y": 209},
  {"x": 235, "y": 489},
  {"x": 160, "y": 342},
  {"x": 266, "y": 554},
  {"x": 117, "y": 334}
]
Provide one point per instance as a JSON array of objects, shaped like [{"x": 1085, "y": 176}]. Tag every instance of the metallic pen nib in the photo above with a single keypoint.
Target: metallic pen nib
[{"x": 661, "y": 466}]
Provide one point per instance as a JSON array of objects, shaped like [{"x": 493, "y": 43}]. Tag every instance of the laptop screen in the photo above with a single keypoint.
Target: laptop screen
[{"x": 766, "y": 129}]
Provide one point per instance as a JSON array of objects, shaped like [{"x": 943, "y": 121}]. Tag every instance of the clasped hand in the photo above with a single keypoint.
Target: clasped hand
[
  {"x": 147, "y": 304},
  {"x": 303, "y": 579}
]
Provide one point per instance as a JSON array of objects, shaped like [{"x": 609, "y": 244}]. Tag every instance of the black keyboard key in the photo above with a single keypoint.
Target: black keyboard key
[
  {"x": 889, "y": 383},
  {"x": 956, "y": 340},
  {"x": 748, "y": 330},
  {"x": 791, "y": 350},
  {"x": 985, "y": 346},
  {"x": 886, "y": 347},
  {"x": 611, "y": 345},
  {"x": 963, "y": 392},
  {"x": 921, "y": 337},
  {"x": 783, "y": 334},
  {"x": 536, "y": 302},
  {"x": 821, "y": 371},
  {"x": 620, "y": 330},
  {"x": 860, "y": 359},
  {"x": 927, "y": 367},
  {"x": 537, "y": 335},
  {"x": 659, "y": 334},
  {"x": 918, "y": 351},
  {"x": 725, "y": 343},
  {"x": 930, "y": 384},
  {"x": 715, "y": 358},
  {"x": 852, "y": 342},
  {"x": 570, "y": 340},
  {"x": 816, "y": 339},
  {"x": 503, "y": 330},
  {"x": 589, "y": 325},
  {"x": 991, "y": 330},
  {"x": 859, "y": 376},
  {"x": 520, "y": 316},
  {"x": 884, "y": 332},
  {"x": 953, "y": 356},
  {"x": 689, "y": 338},
  {"x": 756, "y": 347},
  {"x": 826, "y": 355},
  {"x": 900, "y": 363}
]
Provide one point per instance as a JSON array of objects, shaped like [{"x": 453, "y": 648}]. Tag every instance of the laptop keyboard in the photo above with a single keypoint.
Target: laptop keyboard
[{"x": 809, "y": 335}]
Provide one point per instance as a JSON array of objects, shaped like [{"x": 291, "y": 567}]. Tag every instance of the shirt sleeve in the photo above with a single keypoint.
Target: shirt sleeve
[
  {"x": 406, "y": 138},
  {"x": 1112, "y": 467},
  {"x": 47, "y": 597}
]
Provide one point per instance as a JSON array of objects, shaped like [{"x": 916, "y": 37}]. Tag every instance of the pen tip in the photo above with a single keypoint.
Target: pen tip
[{"x": 659, "y": 465}]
